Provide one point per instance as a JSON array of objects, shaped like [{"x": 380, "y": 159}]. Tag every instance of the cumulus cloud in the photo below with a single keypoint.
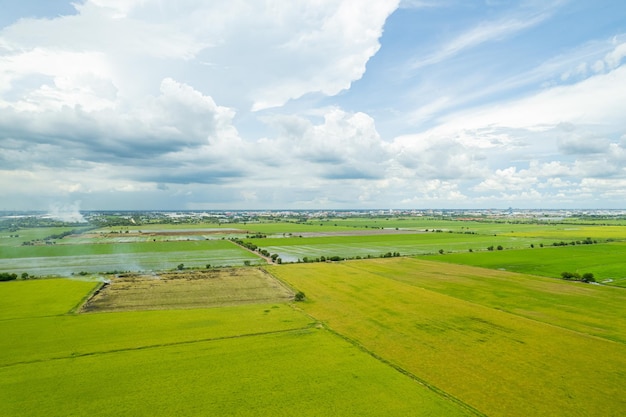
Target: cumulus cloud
[{"x": 194, "y": 103}]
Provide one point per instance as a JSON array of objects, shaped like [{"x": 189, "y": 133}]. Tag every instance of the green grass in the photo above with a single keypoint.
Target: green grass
[
  {"x": 46, "y": 338},
  {"x": 246, "y": 361},
  {"x": 21, "y": 299},
  {"x": 605, "y": 261},
  {"x": 594, "y": 310},
  {"x": 308, "y": 373},
  {"x": 499, "y": 362},
  {"x": 27, "y": 235}
]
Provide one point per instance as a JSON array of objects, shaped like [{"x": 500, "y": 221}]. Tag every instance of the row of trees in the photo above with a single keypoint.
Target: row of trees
[
  {"x": 7, "y": 276},
  {"x": 251, "y": 246},
  {"x": 336, "y": 258}
]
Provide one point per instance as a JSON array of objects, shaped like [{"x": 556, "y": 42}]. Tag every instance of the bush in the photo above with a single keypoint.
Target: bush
[
  {"x": 299, "y": 296},
  {"x": 575, "y": 276},
  {"x": 588, "y": 277},
  {"x": 5, "y": 276}
]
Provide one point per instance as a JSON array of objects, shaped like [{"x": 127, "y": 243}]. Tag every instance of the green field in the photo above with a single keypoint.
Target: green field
[
  {"x": 64, "y": 259},
  {"x": 248, "y": 360},
  {"x": 606, "y": 261},
  {"x": 291, "y": 249},
  {"x": 503, "y": 363},
  {"x": 446, "y": 332}
]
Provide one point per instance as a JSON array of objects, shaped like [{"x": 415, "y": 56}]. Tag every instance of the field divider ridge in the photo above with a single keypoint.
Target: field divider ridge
[
  {"x": 323, "y": 325},
  {"x": 157, "y": 346}
]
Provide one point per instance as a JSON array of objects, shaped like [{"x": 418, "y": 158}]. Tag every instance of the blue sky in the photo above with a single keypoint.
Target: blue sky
[{"x": 149, "y": 104}]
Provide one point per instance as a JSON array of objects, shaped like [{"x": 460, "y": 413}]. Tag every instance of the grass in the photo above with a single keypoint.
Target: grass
[
  {"x": 594, "y": 310},
  {"x": 605, "y": 261},
  {"x": 499, "y": 362},
  {"x": 308, "y": 372},
  {"x": 247, "y": 360},
  {"x": 22, "y": 299}
]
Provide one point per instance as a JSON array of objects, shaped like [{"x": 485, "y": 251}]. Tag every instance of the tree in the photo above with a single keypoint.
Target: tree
[
  {"x": 570, "y": 276},
  {"x": 246, "y": 263},
  {"x": 500, "y": 247},
  {"x": 299, "y": 296},
  {"x": 180, "y": 267},
  {"x": 5, "y": 276},
  {"x": 588, "y": 277},
  {"x": 441, "y": 251}
]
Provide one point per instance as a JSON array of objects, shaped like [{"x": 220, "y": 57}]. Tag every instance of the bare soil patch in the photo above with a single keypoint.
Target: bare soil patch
[{"x": 188, "y": 289}]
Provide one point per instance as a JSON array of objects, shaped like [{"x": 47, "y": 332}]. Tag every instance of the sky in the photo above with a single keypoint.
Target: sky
[{"x": 312, "y": 104}]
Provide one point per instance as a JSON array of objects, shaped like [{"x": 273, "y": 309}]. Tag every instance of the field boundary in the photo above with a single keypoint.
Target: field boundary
[
  {"x": 77, "y": 309},
  {"x": 157, "y": 346},
  {"x": 400, "y": 369}
]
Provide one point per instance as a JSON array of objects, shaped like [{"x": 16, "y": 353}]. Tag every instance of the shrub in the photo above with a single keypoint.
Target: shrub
[
  {"x": 5, "y": 276},
  {"x": 299, "y": 296},
  {"x": 570, "y": 276},
  {"x": 588, "y": 277}
]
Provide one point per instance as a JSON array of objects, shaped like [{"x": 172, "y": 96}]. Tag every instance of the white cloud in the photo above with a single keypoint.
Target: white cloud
[
  {"x": 595, "y": 101},
  {"x": 488, "y": 31}
]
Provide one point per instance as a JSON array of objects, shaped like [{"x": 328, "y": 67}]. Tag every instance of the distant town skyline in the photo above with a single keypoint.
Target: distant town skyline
[{"x": 411, "y": 104}]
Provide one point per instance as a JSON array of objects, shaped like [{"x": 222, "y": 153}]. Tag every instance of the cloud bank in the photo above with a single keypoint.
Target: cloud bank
[{"x": 197, "y": 105}]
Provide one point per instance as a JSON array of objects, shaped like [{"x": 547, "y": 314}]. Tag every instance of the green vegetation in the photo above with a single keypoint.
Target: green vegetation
[
  {"x": 606, "y": 262},
  {"x": 376, "y": 245},
  {"x": 68, "y": 259},
  {"x": 501, "y": 363},
  {"x": 450, "y": 316},
  {"x": 258, "y": 359}
]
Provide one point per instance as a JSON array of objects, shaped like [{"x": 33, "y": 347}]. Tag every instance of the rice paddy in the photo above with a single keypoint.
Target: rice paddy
[{"x": 447, "y": 332}]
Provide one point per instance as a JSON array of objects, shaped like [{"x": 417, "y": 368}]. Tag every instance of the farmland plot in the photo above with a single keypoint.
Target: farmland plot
[
  {"x": 501, "y": 363},
  {"x": 247, "y": 360},
  {"x": 197, "y": 289},
  {"x": 294, "y": 248},
  {"x": 68, "y": 259},
  {"x": 606, "y": 261}
]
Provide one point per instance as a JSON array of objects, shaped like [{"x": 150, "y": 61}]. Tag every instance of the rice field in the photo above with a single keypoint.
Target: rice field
[
  {"x": 291, "y": 249},
  {"x": 65, "y": 260},
  {"x": 606, "y": 261},
  {"x": 502, "y": 363},
  {"x": 447, "y": 332},
  {"x": 246, "y": 360}
]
